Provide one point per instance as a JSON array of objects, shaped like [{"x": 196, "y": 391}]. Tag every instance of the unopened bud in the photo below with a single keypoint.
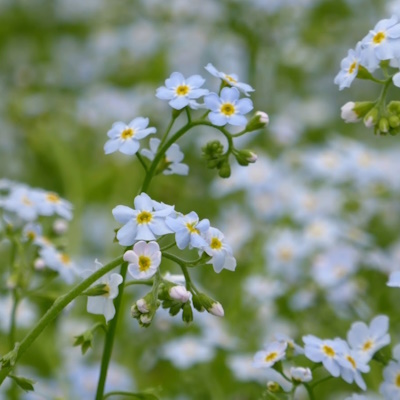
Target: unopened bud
[
  {"x": 142, "y": 306},
  {"x": 145, "y": 319},
  {"x": 245, "y": 157},
  {"x": 225, "y": 170},
  {"x": 180, "y": 293},
  {"x": 273, "y": 386},
  {"x": 98, "y": 290},
  {"x": 39, "y": 264},
  {"x": 394, "y": 121},
  {"x": 60, "y": 226},
  {"x": 371, "y": 118},
  {"x": 216, "y": 310},
  {"x": 259, "y": 120},
  {"x": 187, "y": 314},
  {"x": 384, "y": 125}
]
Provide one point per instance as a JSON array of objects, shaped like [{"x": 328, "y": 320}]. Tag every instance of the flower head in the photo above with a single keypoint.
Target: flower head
[
  {"x": 349, "y": 68},
  {"x": 180, "y": 91},
  {"x": 145, "y": 222},
  {"x": 231, "y": 79},
  {"x": 143, "y": 260},
  {"x": 125, "y": 138},
  {"x": 59, "y": 262},
  {"x": 228, "y": 109},
  {"x": 272, "y": 353},
  {"x": 103, "y": 304}
]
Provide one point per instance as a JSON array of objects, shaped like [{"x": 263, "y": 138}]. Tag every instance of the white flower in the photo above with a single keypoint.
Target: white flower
[
  {"x": 390, "y": 387},
  {"x": 59, "y": 262},
  {"x": 348, "y": 114},
  {"x": 264, "y": 118},
  {"x": 368, "y": 340},
  {"x": 125, "y": 138},
  {"x": 143, "y": 260},
  {"x": 22, "y": 201},
  {"x": 349, "y": 68},
  {"x": 180, "y": 91},
  {"x": 231, "y": 79},
  {"x": 394, "y": 279},
  {"x": 353, "y": 364},
  {"x": 301, "y": 374},
  {"x": 381, "y": 43},
  {"x": 188, "y": 230},
  {"x": 227, "y": 108},
  {"x": 50, "y": 203},
  {"x": 145, "y": 222},
  {"x": 326, "y": 351},
  {"x": 219, "y": 250},
  {"x": 172, "y": 159},
  {"x": 180, "y": 293},
  {"x": 396, "y": 79},
  {"x": 272, "y": 353},
  {"x": 104, "y": 305}
]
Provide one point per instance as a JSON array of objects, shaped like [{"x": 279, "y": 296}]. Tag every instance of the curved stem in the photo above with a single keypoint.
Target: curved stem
[
  {"x": 140, "y": 158},
  {"x": 165, "y": 136},
  {"x": 108, "y": 344},
  {"x": 13, "y": 318},
  {"x": 55, "y": 309},
  {"x": 320, "y": 381},
  {"x": 148, "y": 283},
  {"x": 309, "y": 391},
  {"x": 128, "y": 394}
]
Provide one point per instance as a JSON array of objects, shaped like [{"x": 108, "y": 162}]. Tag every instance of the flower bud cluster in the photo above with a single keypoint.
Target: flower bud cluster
[{"x": 144, "y": 309}]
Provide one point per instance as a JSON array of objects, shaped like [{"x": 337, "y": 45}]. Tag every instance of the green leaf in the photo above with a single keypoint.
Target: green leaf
[{"x": 24, "y": 383}]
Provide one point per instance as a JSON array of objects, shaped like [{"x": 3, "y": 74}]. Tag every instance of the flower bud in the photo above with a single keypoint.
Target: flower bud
[
  {"x": 142, "y": 306},
  {"x": 245, "y": 157},
  {"x": 187, "y": 314},
  {"x": 348, "y": 114},
  {"x": 216, "y": 310},
  {"x": 259, "y": 120},
  {"x": 145, "y": 319},
  {"x": 384, "y": 125},
  {"x": 180, "y": 293},
  {"x": 98, "y": 290},
  {"x": 60, "y": 226},
  {"x": 135, "y": 313},
  {"x": 39, "y": 264},
  {"x": 394, "y": 121},
  {"x": 273, "y": 386},
  {"x": 301, "y": 374},
  {"x": 225, "y": 170},
  {"x": 371, "y": 118}
]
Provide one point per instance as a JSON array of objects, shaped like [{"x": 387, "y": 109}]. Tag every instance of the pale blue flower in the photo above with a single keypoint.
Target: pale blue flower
[
  {"x": 231, "y": 79},
  {"x": 125, "y": 138},
  {"x": 381, "y": 43},
  {"x": 59, "y": 262},
  {"x": 145, "y": 222},
  {"x": 349, "y": 68},
  {"x": 188, "y": 230},
  {"x": 228, "y": 109},
  {"x": 181, "y": 92},
  {"x": 50, "y": 203},
  {"x": 172, "y": 159}
]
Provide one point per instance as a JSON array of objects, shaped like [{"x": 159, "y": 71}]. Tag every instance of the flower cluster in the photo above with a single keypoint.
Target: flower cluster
[
  {"x": 347, "y": 359},
  {"x": 380, "y": 48}
]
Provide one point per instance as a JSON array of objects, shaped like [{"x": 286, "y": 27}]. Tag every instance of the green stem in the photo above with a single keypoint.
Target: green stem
[
  {"x": 162, "y": 149},
  {"x": 140, "y": 158},
  {"x": 108, "y": 344},
  {"x": 321, "y": 381},
  {"x": 13, "y": 318},
  {"x": 148, "y": 283},
  {"x": 382, "y": 96},
  {"x": 128, "y": 394},
  {"x": 56, "y": 308},
  {"x": 165, "y": 136},
  {"x": 309, "y": 391}
]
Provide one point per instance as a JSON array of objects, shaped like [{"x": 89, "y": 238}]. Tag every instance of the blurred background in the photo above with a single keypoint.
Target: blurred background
[{"x": 321, "y": 191}]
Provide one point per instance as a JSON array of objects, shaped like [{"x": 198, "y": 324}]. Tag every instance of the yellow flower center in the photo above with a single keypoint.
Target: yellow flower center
[
  {"x": 352, "y": 361},
  {"x": 397, "y": 380},
  {"x": 26, "y": 201},
  {"x": 230, "y": 79},
  {"x": 368, "y": 345},
  {"x": 228, "y": 109},
  {"x": 182, "y": 90},
  {"x": 144, "y": 263},
  {"x": 328, "y": 351},
  {"x": 352, "y": 67},
  {"x": 127, "y": 133},
  {"x": 191, "y": 228},
  {"x": 64, "y": 258},
  {"x": 379, "y": 37},
  {"x": 286, "y": 254},
  {"x": 52, "y": 198},
  {"x": 271, "y": 356},
  {"x": 144, "y": 217},
  {"x": 216, "y": 244},
  {"x": 30, "y": 235}
]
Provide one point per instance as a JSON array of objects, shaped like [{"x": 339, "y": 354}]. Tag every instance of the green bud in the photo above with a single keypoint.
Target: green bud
[
  {"x": 384, "y": 125},
  {"x": 176, "y": 307},
  {"x": 187, "y": 314},
  {"x": 259, "y": 120},
  {"x": 394, "y": 131},
  {"x": 273, "y": 387},
  {"x": 98, "y": 290},
  {"x": 197, "y": 303},
  {"x": 85, "y": 341},
  {"x": 394, "y": 121},
  {"x": 394, "y": 107},
  {"x": 361, "y": 108},
  {"x": 225, "y": 170},
  {"x": 245, "y": 157},
  {"x": 371, "y": 118}
]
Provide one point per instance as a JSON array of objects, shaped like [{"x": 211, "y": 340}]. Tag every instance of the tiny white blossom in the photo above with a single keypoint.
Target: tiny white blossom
[
  {"x": 180, "y": 293},
  {"x": 349, "y": 68},
  {"x": 231, "y": 79},
  {"x": 180, "y": 91},
  {"x": 104, "y": 305},
  {"x": 50, "y": 203},
  {"x": 301, "y": 374},
  {"x": 348, "y": 114},
  {"x": 143, "y": 260},
  {"x": 59, "y": 262},
  {"x": 272, "y": 353},
  {"x": 125, "y": 138},
  {"x": 216, "y": 309}
]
